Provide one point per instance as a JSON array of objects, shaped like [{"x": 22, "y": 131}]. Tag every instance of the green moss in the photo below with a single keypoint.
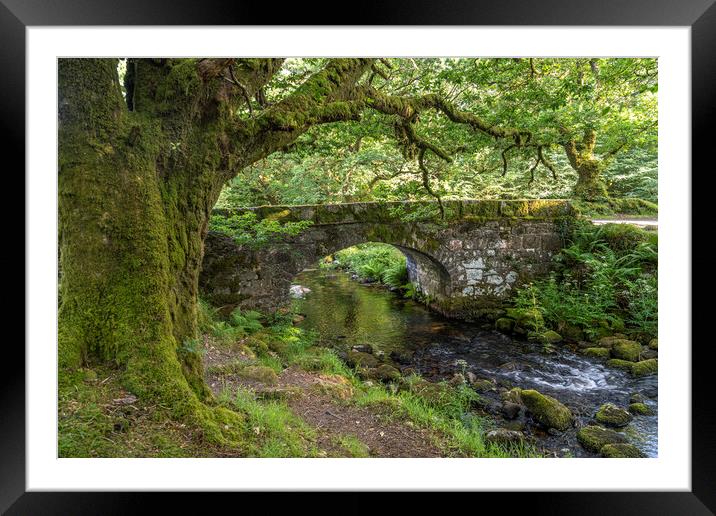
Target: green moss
[
  {"x": 623, "y": 237},
  {"x": 626, "y": 350},
  {"x": 504, "y": 324},
  {"x": 513, "y": 396},
  {"x": 482, "y": 384},
  {"x": 620, "y": 364},
  {"x": 654, "y": 344},
  {"x": 259, "y": 373},
  {"x": 610, "y": 414},
  {"x": 645, "y": 367},
  {"x": 550, "y": 337},
  {"x": 383, "y": 372},
  {"x": 360, "y": 359},
  {"x": 547, "y": 410},
  {"x": 596, "y": 352},
  {"x": 639, "y": 408},
  {"x": 594, "y": 438},
  {"x": 608, "y": 342},
  {"x": 621, "y": 450},
  {"x": 528, "y": 318}
]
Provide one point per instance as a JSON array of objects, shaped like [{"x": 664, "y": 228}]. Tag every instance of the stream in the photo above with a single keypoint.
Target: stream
[{"x": 344, "y": 313}]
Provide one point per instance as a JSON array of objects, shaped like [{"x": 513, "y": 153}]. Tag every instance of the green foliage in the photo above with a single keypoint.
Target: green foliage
[
  {"x": 373, "y": 261},
  {"x": 606, "y": 276},
  {"x": 248, "y": 230},
  {"x": 360, "y": 161},
  {"x": 396, "y": 275},
  {"x": 239, "y": 324},
  {"x": 410, "y": 291},
  {"x": 205, "y": 316},
  {"x": 275, "y": 431},
  {"x": 193, "y": 346}
]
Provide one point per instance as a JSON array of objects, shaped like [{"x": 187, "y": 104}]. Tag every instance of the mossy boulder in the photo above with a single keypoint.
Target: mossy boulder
[
  {"x": 637, "y": 397},
  {"x": 434, "y": 393},
  {"x": 504, "y": 324},
  {"x": 645, "y": 367},
  {"x": 545, "y": 337},
  {"x": 512, "y": 396},
  {"x": 256, "y": 343},
  {"x": 626, "y": 350},
  {"x": 258, "y": 373},
  {"x": 278, "y": 346},
  {"x": 361, "y": 359},
  {"x": 620, "y": 451},
  {"x": 594, "y": 438},
  {"x": 528, "y": 319},
  {"x": 639, "y": 408},
  {"x": 654, "y": 344},
  {"x": 596, "y": 352},
  {"x": 335, "y": 386},
  {"x": 504, "y": 436},
  {"x": 482, "y": 384},
  {"x": 546, "y": 410},
  {"x": 608, "y": 342},
  {"x": 383, "y": 372},
  {"x": 611, "y": 415},
  {"x": 619, "y": 364},
  {"x": 570, "y": 332}
]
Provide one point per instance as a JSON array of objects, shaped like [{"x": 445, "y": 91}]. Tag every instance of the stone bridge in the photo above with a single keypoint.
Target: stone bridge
[{"x": 466, "y": 263}]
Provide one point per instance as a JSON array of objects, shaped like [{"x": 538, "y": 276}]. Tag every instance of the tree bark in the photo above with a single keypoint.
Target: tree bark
[
  {"x": 131, "y": 219},
  {"x": 590, "y": 184}
]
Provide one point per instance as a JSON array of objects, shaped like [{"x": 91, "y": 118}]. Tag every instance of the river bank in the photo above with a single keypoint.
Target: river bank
[{"x": 403, "y": 334}]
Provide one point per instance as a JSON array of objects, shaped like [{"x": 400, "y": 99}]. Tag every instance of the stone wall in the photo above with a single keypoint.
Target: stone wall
[{"x": 466, "y": 263}]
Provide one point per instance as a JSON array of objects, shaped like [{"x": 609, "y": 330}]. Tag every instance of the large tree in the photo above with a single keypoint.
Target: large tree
[{"x": 142, "y": 167}]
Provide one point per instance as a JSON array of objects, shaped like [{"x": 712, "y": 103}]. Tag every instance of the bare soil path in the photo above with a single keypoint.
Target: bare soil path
[{"x": 324, "y": 402}]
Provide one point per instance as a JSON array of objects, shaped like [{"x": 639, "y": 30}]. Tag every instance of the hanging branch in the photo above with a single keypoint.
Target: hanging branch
[
  {"x": 426, "y": 180},
  {"x": 532, "y": 172},
  {"x": 546, "y": 162},
  {"x": 504, "y": 159}
]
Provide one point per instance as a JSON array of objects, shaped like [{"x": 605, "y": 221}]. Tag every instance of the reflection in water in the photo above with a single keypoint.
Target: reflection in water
[{"x": 344, "y": 313}]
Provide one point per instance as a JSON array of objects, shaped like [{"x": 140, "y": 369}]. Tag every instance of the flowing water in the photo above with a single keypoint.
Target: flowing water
[{"x": 344, "y": 313}]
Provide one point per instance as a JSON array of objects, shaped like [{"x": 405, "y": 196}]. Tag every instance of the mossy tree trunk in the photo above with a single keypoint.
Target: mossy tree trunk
[
  {"x": 590, "y": 183},
  {"x": 136, "y": 188}
]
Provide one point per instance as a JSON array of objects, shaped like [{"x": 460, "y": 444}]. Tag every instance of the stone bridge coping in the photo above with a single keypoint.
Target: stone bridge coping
[{"x": 413, "y": 211}]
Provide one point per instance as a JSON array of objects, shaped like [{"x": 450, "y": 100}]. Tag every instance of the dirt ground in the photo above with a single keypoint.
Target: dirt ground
[{"x": 324, "y": 403}]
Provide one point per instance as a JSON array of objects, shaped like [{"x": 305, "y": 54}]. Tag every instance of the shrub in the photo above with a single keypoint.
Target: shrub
[{"x": 606, "y": 275}]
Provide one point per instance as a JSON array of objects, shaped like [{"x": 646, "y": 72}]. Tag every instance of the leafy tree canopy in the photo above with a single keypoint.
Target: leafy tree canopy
[{"x": 549, "y": 101}]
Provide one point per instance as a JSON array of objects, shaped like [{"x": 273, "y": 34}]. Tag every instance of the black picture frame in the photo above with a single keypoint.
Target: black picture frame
[{"x": 700, "y": 15}]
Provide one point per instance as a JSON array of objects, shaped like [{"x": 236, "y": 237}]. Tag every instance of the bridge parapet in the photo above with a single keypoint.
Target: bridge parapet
[{"x": 413, "y": 211}]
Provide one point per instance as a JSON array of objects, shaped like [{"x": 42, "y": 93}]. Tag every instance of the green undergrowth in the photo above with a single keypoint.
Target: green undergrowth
[
  {"x": 275, "y": 431},
  {"x": 375, "y": 262},
  {"x": 98, "y": 418},
  {"x": 449, "y": 414},
  {"x": 616, "y": 206},
  {"x": 605, "y": 281}
]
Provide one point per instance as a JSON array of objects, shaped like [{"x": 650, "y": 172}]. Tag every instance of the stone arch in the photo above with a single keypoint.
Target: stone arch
[{"x": 234, "y": 275}]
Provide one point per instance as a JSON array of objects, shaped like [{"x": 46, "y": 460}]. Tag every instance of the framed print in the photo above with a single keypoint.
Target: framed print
[{"x": 387, "y": 256}]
